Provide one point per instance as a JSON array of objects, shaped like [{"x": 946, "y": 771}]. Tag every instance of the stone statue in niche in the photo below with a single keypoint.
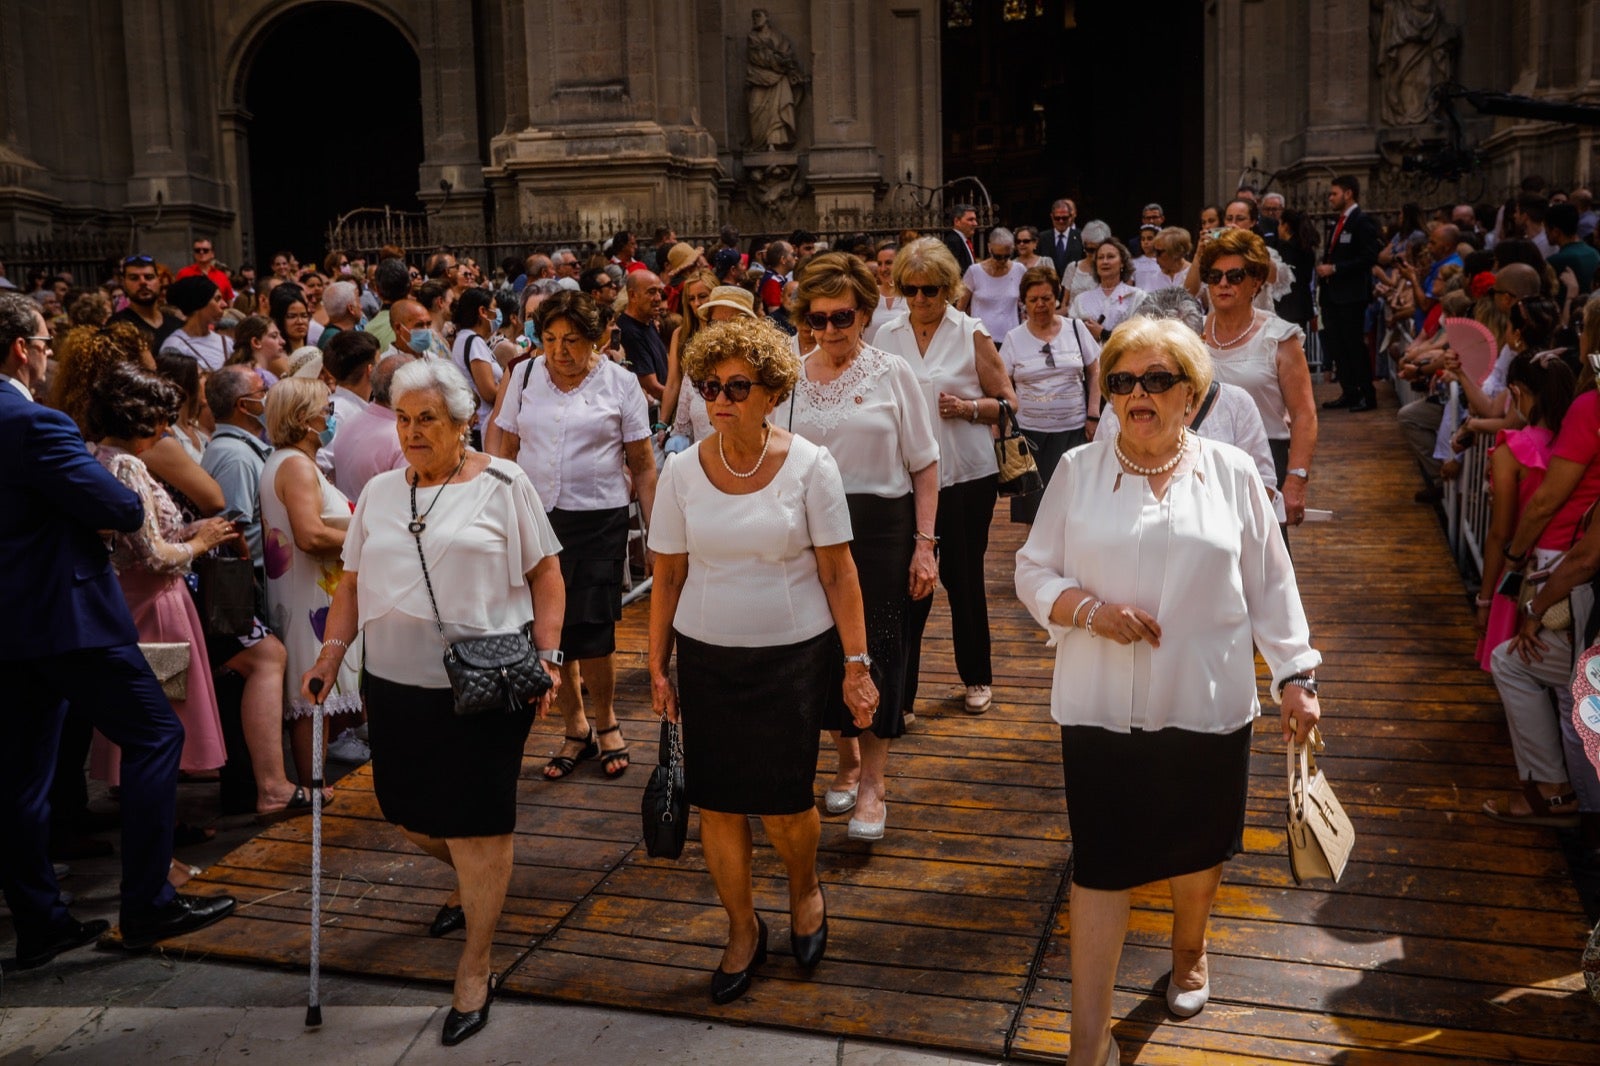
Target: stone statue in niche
[
  {"x": 1416, "y": 51},
  {"x": 774, "y": 84}
]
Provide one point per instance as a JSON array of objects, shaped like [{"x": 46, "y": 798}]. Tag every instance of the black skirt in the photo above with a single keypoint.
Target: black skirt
[
  {"x": 751, "y": 721},
  {"x": 881, "y": 548},
  {"x": 1144, "y": 806},
  {"x": 440, "y": 774},
  {"x": 594, "y": 549}
]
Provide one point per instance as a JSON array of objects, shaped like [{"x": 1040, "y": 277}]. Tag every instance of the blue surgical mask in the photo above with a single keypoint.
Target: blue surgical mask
[
  {"x": 530, "y": 330},
  {"x": 421, "y": 341},
  {"x": 361, "y": 326},
  {"x": 499, "y": 319},
  {"x": 325, "y": 436}
]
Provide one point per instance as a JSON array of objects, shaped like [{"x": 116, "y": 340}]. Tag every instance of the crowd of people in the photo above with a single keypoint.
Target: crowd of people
[{"x": 803, "y": 437}]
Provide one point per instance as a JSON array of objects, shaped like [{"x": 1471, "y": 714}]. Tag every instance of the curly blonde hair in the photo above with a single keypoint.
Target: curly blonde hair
[
  {"x": 82, "y": 359},
  {"x": 758, "y": 343}
]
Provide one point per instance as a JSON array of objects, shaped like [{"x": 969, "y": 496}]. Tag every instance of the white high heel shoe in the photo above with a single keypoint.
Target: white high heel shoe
[{"x": 841, "y": 800}]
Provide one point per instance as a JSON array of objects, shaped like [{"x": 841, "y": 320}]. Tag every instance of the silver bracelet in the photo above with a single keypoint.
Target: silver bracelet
[
  {"x": 1088, "y": 623},
  {"x": 1078, "y": 610}
]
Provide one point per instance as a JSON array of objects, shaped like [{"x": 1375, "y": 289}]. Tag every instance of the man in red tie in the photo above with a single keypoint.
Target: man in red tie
[
  {"x": 1344, "y": 282},
  {"x": 963, "y": 227}
]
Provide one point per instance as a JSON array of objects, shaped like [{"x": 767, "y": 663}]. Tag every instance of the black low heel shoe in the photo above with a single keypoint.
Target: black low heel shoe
[
  {"x": 459, "y": 1025},
  {"x": 808, "y": 950},
  {"x": 727, "y": 987},
  {"x": 448, "y": 920}
]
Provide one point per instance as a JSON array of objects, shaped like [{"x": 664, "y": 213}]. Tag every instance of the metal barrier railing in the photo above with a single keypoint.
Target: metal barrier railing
[{"x": 1466, "y": 499}]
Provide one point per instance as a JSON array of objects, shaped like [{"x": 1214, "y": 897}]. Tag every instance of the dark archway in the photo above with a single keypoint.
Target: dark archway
[
  {"x": 1098, "y": 101},
  {"x": 335, "y": 95}
]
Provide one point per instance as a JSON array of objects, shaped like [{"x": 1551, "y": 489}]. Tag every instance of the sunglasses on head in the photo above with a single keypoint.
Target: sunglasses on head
[
  {"x": 1235, "y": 276},
  {"x": 929, "y": 291},
  {"x": 139, "y": 261},
  {"x": 738, "y": 389},
  {"x": 817, "y": 321},
  {"x": 1153, "y": 382}
]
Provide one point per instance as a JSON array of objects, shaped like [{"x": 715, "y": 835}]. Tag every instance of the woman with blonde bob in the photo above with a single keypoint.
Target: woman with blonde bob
[
  {"x": 1154, "y": 564},
  {"x": 755, "y": 589}
]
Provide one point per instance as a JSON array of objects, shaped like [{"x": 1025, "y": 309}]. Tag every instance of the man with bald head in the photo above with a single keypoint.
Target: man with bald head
[
  {"x": 641, "y": 340},
  {"x": 412, "y": 333},
  {"x": 1442, "y": 240}
]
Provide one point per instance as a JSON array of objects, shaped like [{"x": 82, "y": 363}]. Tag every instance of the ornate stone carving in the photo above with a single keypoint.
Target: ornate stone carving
[
  {"x": 774, "y": 84},
  {"x": 1416, "y": 51},
  {"x": 773, "y": 184}
]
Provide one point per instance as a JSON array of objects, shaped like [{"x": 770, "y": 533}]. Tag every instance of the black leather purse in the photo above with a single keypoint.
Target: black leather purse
[
  {"x": 498, "y": 672},
  {"x": 665, "y": 807},
  {"x": 227, "y": 596}
]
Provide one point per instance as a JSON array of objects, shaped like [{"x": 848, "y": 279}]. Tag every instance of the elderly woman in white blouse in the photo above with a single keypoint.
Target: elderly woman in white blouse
[
  {"x": 963, "y": 382},
  {"x": 992, "y": 285},
  {"x": 448, "y": 781},
  {"x": 866, "y": 408},
  {"x": 579, "y": 425},
  {"x": 1155, "y": 564},
  {"x": 1113, "y": 299},
  {"x": 756, "y": 591}
]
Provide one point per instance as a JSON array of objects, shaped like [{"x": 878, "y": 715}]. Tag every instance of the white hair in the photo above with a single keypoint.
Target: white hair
[
  {"x": 1003, "y": 237},
  {"x": 341, "y": 298},
  {"x": 1096, "y": 232},
  {"x": 436, "y": 375}
]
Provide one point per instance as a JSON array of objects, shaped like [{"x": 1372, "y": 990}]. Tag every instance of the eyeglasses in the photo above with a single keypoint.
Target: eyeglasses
[
  {"x": 139, "y": 261},
  {"x": 1026, "y": 240},
  {"x": 817, "y": 321},
  {"x": 928, "y": 291},
  {"x": 1235, "y": 276},
  {"x": 1151, "y": 381},
  {"x": 738, "y": 390},
  {"x": 1049, "y": 356},
  {"x": 46, "y": 341}
]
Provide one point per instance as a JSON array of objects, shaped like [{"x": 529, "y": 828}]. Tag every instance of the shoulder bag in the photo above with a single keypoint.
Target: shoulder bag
[
  {"x": 498, "y": 672},
  {"x": 227, "y": 595},
  {"x": 665, "y": 806},
  {"x": 1013, "y": 453},
  {"x": 1320, "y": 834}
]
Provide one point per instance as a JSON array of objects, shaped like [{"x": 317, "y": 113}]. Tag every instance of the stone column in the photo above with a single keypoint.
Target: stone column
[
  {"x": 844, "y": 168},
  {"x": 450, "y": 180},
  {"x": 25, "y": 208}
]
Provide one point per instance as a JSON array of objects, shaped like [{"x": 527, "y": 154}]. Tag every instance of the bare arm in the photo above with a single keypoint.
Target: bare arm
[
  {"x": 297, "y": 486},
  {"x": 1091, "y": 407},
  {"x": 674, "y": 385},
  {"x": 837, "y": 571},
  {"x": 925, "y": 502},
  {"x": 1294, "y": 379},
  {"x": 1559, "y": 481},
  {"x": 1503, "y": 477},
  {"x": 168, "y": 461},
  {"x": 483, "y": 381},
  {"x": 992, "y": 376},
  {"x": 493, "y": 435},
  {"x": 652, "y": 386},
  {"x": 642, "y": 465},
  {"x": 666, "y": 586},
  {"x": 338, "y": 631}
]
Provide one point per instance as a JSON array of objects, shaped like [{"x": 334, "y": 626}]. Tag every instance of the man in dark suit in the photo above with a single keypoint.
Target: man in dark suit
[
  {"x": 963, "y": 228},
  {"x": 66, "y": 636},
  {"x": 1063, "y": 241},
  {"x": 1344, "y": 278}
]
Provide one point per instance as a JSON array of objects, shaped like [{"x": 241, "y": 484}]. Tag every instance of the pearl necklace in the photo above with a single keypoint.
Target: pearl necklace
[
  {"x": 1152, "y": 471},
  {"x": 1218, "y": 342},
  {"x": 766, "y": 442}
]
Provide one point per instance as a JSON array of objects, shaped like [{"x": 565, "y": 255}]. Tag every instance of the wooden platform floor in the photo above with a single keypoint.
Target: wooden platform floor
[{"x": 1452, "y": 939}]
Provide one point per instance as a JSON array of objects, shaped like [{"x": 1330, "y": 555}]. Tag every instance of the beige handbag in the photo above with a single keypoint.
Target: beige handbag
[
  {"x": 1320, "y": 834},
  {"x": 170, "y": 664}
]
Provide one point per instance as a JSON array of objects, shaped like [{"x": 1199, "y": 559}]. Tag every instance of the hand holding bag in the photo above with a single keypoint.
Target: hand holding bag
[
  {"x": 1320, "y": 834},
  {"x": 665, "y": 806},
  {"x": 1013, "y": 453}
]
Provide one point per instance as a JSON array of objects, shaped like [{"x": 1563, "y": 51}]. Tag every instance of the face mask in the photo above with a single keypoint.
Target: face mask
[
  {"x": 259, "y": 416},
  {"x": 325, "y": 436},
  {"x": 530, "y": 330},
  {"x": 421, "y": 341},
  {"x": 345, "y": 270},
  {"x": 361, "y": 326},
  {"x": 498, "y": 320}
]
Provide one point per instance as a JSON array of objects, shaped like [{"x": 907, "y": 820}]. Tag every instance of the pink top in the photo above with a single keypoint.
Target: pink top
[{"x": 1578, "y": 442}]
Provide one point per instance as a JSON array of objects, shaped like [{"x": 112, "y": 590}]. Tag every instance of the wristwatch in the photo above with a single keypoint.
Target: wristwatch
[
  {"x": 1298, "y": 471},
  {"x": 1305, "y": 681},
  {"x": 864, "y": 659},
  {"x": 553, "y": 656}
]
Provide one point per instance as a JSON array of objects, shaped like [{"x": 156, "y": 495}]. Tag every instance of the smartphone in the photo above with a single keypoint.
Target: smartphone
[
  {"x": 1511, "y": 584},
  {"x": 233, "y": 514}
]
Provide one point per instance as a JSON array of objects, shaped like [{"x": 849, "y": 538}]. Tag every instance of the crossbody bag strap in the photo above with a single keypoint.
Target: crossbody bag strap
[
  {"x": 1205, "y": 406},
  {"x": 416, "y": 533}
]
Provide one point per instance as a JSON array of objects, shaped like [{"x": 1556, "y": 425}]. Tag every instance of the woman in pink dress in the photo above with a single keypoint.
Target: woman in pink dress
[
  {"x": 1541, "y": 387},
  {"x": 129, "y": 411}
]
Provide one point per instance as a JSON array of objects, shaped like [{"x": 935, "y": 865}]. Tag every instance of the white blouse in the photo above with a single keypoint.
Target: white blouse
[
  {"x": 872, "y": 420},
  {"x": 752, "y": 577},
  {"x": 966, "y": 450},
  {"x": 1206, "y": 561},
  {"x": 1120, "y": 304},
  {"x": 1253, "y": 366},
  {"x": 691, "y": 419},
  {"x": 210, "y": 351},
  {"x": 888, "y": 307},
  {"x": 572, "y": 442},
  {"x": 481, "y": 540},
  {"x": 463, "y": 353},
  {"x": 997, "y": 301},
  {"x": 1050, "y": 399}
]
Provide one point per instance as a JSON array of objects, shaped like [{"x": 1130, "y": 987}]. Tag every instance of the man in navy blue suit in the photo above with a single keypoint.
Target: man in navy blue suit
[{"x": 66, "y": 636}]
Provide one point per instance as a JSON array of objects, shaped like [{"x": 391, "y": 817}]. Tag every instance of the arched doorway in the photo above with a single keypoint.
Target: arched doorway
[
  {"x": 1098, "y": 101},
  {"x": 334, "y": 91}
]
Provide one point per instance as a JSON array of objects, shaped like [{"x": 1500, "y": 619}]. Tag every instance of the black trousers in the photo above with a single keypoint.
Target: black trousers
[
  {"x": 965, "y": 510},
  {"x": 117, "y": 694},
  {"x": 1343, "y": 331}
]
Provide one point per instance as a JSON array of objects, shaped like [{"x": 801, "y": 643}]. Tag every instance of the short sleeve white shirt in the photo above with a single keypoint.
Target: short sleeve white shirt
[
  {"x": 872, "y": 421},
  {"x": 210, "y": 351},
  {"x": 752, "y": 572},
  {"x": 996, "y": 301},
  {"x": 572, "y": 442},
  {"x": 1050, "y": 399},
  {"x": 469, "y": 348},
  {"x": 1119, "y": 305},
  {"x": 966, "y": 450}
]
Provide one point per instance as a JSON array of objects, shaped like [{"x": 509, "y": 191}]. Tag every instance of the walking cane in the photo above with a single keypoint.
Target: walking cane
[{"x": 313, "y": 1000}]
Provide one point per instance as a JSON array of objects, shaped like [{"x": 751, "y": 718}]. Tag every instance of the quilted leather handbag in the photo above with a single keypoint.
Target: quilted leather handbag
[
  {"x": 665, "y": 806},
  {"x": 1320, "y": 834}
]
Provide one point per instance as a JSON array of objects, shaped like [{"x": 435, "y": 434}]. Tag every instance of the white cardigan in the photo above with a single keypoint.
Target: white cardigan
[{"x": 1206, "y": 561}]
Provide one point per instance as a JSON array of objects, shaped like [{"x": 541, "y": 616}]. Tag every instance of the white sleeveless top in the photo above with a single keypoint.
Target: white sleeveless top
[
  {"x": 1253, "y": 366},
  {"x": 966, "y": 449}
]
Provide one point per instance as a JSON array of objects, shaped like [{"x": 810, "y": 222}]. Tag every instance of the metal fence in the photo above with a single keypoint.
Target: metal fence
[
  {"x": 1466, "y": 499},
  {"x": 88, "y": 257}
]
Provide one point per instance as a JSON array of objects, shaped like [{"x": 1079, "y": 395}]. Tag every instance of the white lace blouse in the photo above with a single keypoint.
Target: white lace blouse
[{"x": 872, "y": 420}]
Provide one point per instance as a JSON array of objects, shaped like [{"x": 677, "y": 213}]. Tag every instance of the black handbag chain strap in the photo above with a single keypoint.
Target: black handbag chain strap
[{"x": 417, "y": 525}]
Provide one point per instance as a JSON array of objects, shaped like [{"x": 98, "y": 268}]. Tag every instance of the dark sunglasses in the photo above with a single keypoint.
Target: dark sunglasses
[
  {"x": 738, "y": 389},
  {"x": 1151, "y": 381},
  {"x": 817, "y": 321},
  {"x": 1026, "y": 240},
  {"x": 1049, "y": 356},
  {"x": 139, "y": 261},
  {"x": 1235, "y": 276},
  {"x": 930, "y": 291}
]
